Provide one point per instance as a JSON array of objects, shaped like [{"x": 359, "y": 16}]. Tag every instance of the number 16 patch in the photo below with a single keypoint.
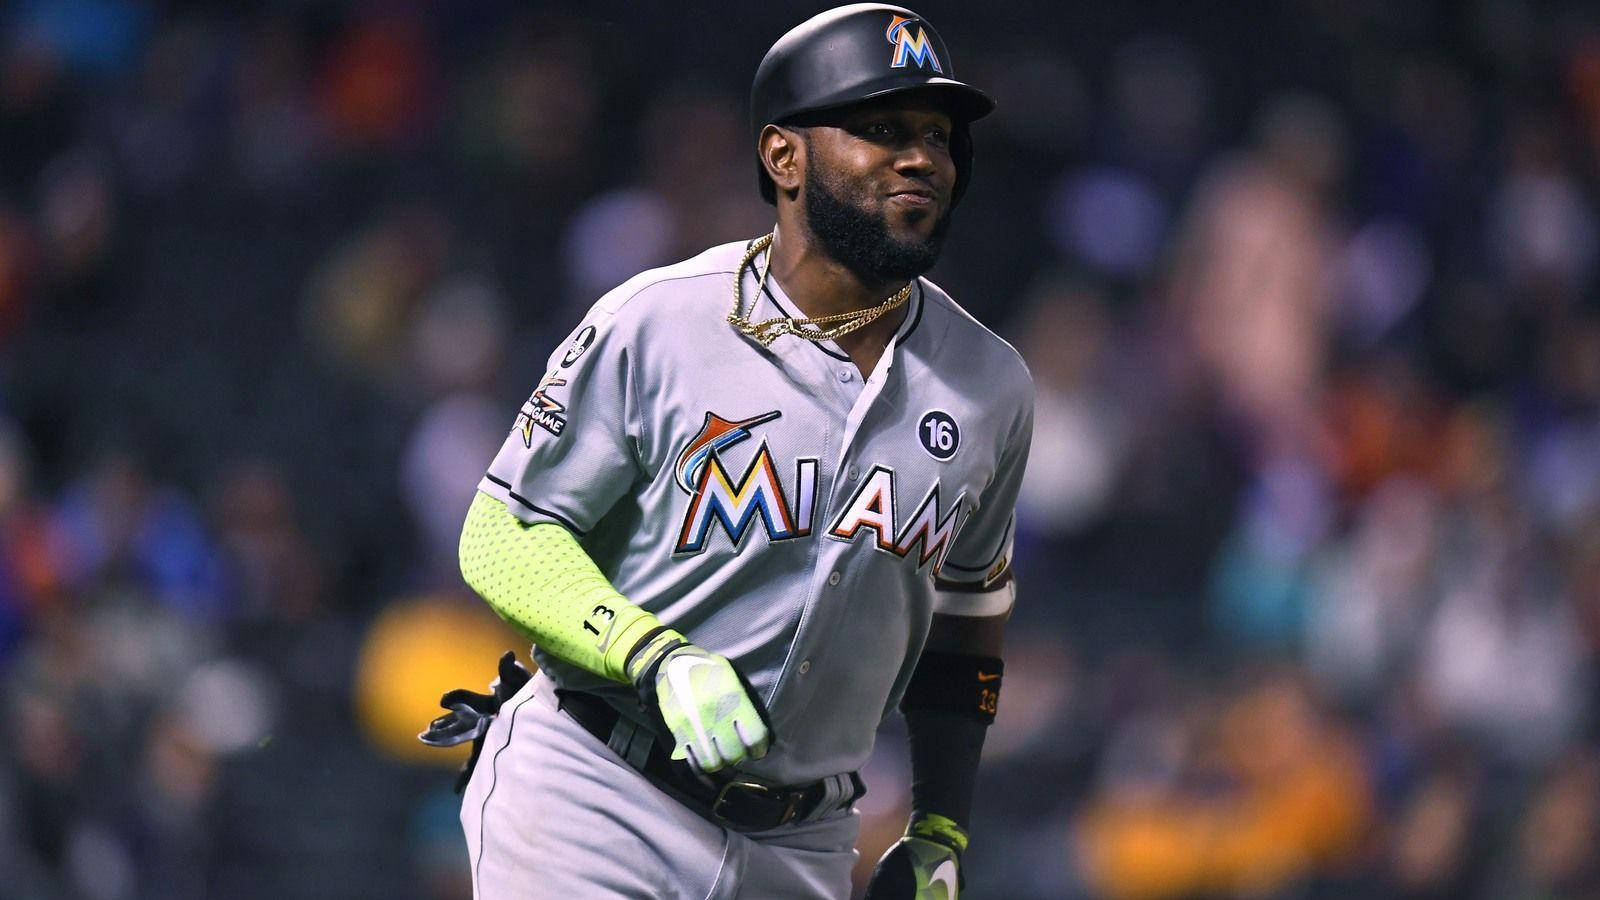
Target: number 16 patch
[{"x": 939, "y": 434}]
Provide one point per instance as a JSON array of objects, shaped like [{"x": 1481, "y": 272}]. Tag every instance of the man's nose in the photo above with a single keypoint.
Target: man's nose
[{"x": 914, "y": 157}]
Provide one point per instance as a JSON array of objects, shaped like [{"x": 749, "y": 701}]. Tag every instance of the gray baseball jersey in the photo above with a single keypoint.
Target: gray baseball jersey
[{"x": 772, "y": 504}]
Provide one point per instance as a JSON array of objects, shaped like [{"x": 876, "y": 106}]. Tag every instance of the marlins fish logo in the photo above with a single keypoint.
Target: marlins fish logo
[
  {"x": 910, "y": 44},
  {"x": 716, "y": 434}
]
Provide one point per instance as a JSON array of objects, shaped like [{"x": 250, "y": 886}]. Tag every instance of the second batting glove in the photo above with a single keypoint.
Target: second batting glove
[{"x": 923, "y": 865}]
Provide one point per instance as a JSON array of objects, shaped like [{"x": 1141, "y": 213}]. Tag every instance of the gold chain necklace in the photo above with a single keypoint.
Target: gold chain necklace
[{"x": 771, "y": 329}]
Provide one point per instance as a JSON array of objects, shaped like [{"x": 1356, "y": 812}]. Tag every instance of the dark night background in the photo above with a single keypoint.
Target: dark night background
[{"x": 1310, "y": 544}]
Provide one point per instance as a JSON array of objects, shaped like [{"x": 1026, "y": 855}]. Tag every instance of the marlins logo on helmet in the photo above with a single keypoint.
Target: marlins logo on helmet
[{"x": 910, "y": 44}]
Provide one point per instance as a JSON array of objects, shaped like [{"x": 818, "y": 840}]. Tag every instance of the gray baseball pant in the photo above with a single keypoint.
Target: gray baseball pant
[{"x": 552, "y": 812}]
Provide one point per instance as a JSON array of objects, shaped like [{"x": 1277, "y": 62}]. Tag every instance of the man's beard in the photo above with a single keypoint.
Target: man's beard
[{"x": 859, "y": 240}]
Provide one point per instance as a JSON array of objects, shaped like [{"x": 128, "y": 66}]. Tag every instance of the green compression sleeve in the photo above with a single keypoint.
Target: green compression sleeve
[{"x": 541, "y": 581}]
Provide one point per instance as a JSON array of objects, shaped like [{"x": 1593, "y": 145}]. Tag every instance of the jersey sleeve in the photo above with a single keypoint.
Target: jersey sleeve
[
  {"x": 974, "y": 579},
  {"x": 573, "y": 447}
]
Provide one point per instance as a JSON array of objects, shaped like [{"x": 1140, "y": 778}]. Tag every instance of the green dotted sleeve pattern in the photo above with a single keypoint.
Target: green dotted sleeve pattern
[{"x": 541, "y": 581}]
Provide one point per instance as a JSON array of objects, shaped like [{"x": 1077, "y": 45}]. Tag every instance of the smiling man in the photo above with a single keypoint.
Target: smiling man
[{"x": 759, "y": 499}]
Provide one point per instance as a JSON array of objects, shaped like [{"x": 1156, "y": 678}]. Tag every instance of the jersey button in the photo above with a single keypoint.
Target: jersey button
[
  {"x": 851, "y": 473},
  {"x": 846, "y": 374},
  {"x": 805, "y": 666},
  {"x": 833, "y": 579}
]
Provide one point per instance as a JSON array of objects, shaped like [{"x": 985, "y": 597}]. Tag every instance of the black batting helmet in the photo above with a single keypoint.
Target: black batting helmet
[{"x": 861, "y": 52}]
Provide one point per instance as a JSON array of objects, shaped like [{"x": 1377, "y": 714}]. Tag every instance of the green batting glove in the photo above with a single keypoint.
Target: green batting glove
[
  {"x": 923, "y": 865},
  {"x": 715, "y": 717}
]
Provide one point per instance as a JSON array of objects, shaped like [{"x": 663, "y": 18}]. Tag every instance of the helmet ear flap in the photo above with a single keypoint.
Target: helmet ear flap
[{"x": 961, "y": 155}]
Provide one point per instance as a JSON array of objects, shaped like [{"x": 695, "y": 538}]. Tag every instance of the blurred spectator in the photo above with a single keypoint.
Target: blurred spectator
[
  {"x": 18, "y": 265},
  {"x": 695, "y": 193},
  {"x": 121, "y": 527},
  {"x": 364, "y": 296},
  {"x": 272, "y": 569},
  {"x": 76, "y": 211},
  {"x": 375, "y": 86},
  {"x": 31, "y": 552},
  {"x": 1541, "y": 226},
  {"x": 1111, "y": 220},
  {"x": 442, "y": 464},
  {"x": 532, "y": 110},
  {"x": 1436, "y": 836},
  {"x": 1078, "y": 431},
  {"x": 94, "y": 37},
  {"x": 1555, "y": 846},
  {"x": 1370, "y": 592},
  {"x": 165, "y": 138},
  {"x": 1383, "y": 272},
  {"x": 275, "y": 138},
  {"x": 1253, "y": 272},
  {"x": 1160, "y": 105},
  {"x": 1253, "y": 804}
]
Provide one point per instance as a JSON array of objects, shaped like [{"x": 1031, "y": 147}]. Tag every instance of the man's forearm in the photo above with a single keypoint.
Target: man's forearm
[
  {"x": 541, "y": 581},
  {"x": 948, "y": 708},
  {"x": 945, "y": 750}
]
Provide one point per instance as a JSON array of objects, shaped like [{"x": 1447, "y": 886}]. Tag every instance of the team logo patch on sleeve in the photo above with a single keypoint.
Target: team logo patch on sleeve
[{"x": 542, "y": 410}]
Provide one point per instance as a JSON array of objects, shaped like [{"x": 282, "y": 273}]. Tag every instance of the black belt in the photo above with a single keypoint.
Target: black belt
[{"x": 735, "y": 802}]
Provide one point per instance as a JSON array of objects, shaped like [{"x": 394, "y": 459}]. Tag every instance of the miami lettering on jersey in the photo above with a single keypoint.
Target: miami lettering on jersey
[
  {"x": 872, "y": 506},
  {"x": 716, "y": 497}
]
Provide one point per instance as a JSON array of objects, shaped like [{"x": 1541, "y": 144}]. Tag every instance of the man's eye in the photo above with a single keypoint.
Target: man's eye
[
  {"x": 939, "y": 138},
  {"x": 880, "y": 129}
]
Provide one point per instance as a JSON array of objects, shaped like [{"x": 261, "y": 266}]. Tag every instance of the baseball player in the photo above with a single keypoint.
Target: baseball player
[{"x": 759, "y": 499}]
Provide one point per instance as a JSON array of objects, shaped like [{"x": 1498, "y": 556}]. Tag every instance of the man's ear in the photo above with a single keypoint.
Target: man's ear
[{"x": 783, "y": 153}]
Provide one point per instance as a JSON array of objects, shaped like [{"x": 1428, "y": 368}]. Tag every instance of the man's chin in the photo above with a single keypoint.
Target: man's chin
[
  {"x": 912, "y": 225},
  {"x": 878, "y": 244},
  {"x": 924, "y": 238},
  {"x": 909, "y": 237},
  {"x": 907, "y": 260}
]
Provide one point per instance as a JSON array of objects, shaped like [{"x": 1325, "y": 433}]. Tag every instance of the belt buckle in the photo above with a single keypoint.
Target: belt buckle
[{"x": 789, "y": 807}]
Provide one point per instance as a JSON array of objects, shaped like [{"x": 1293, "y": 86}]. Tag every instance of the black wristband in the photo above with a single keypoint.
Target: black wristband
[
  {"x": 956, "y": 683},
  {"x": 640, "y": 644}
]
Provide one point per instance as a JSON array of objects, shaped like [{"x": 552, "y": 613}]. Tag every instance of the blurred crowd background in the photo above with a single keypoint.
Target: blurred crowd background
[{"x": 1310, "y": 542}]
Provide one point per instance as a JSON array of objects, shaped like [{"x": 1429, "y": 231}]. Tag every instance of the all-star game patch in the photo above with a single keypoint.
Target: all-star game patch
[{"x": 542, "y": 410}]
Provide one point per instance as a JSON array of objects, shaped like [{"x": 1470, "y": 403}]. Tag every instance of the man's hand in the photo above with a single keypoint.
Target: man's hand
[
  {"x": 923, "y": 865},
  {"x": 715, "y": 717}
]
